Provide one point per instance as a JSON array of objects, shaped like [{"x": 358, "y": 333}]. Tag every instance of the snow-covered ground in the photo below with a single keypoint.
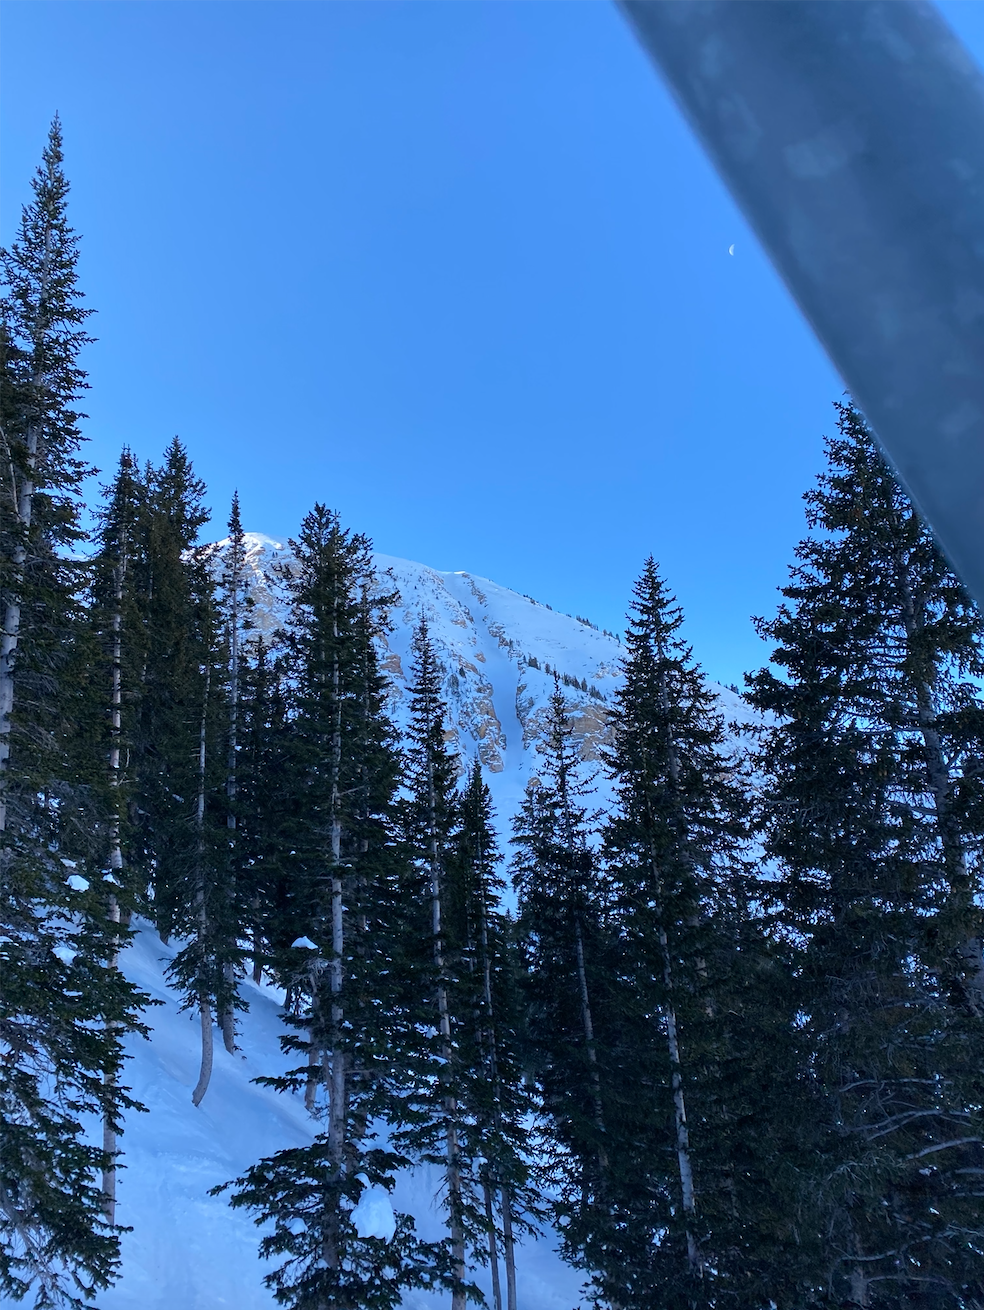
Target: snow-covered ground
[{"x": 191, "y": 1251}]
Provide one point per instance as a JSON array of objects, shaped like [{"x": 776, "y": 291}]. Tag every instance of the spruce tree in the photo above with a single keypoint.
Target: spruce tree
[
  {"x": 234, "y": 603},
  {"x": 703, "y": 1001},
  {"x": 333, "y": 929},
  {"x": 871, "y": 809},
  {"x": 263, "y": 806},
  {"x": 116, "y": 656},
  {"x": 64, "y": 1006},
  {"x": 429, "y": 820},
  {"x": 488, "y": 1000},
  {"x": 572, "y": 992}
]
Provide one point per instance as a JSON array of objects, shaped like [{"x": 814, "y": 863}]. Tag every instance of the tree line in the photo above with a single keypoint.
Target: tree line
[{"x": 729, "y": 1044}]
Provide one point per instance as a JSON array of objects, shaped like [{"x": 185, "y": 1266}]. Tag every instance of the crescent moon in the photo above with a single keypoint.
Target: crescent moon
[{"x": 731, "y": 250}]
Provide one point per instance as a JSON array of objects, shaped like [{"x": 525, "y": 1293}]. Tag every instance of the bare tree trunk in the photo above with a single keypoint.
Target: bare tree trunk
[
  {"x": 509, "y": 1248},
  {"x": 204, "y": 1007},
  {"x": 493, "y": 1246},
  {"x": 227, "y": 1015},
  {"x": 453, "y": 1165},
  {"x": 859, "y": 1287},
  {"x": 205, "y": 1074},
  {"x": 694, "y": 1262},
  {"x": 589, "y": 1043}
]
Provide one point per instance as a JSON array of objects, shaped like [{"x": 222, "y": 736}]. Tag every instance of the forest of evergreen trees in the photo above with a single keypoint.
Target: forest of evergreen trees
[{"x": 729, "y": 1045}]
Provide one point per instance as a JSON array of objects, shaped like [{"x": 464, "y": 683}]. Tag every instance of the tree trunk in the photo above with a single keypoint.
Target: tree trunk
[
  {"x": 589, "y": 1042},
  {"x": 453, "y": 1165},
  {"x": 509, "y": 1248},
  {"x": 115, "y": 851},
  {"x": 227, "y": 1016},
  {"x": 109, "y": 1083},
  {"x": 493, "y": 1251},
  {"x": 204, "y": 1005},
  {"x": 205, "y": 1074},
  {"x": 694, "y": 1262}
]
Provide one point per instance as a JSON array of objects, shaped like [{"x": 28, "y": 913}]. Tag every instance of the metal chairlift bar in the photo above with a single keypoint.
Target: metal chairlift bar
[{"x": 851, "y": 133}]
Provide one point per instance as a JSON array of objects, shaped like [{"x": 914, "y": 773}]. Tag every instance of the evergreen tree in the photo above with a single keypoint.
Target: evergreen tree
[
  {"x": 64, "y": 1005},
  {"x": 235, "y": 602},
  {"x": 871, "y": 809},
  {"x": 703, "y": 1008},
  {"x": 572, "y": 993},
  {"x": 487, "y": 997},
  {"x": 335, "y": 941},
  {"x": 430, "y": 813},
  {"x": 264, "y": 806},
  {"x": 116, "y": 657}
]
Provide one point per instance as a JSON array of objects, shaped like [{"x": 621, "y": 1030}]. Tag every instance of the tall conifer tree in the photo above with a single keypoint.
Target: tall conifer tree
[
  {"x": 333, "y": 930},
  {"x": 564, "y": 922},
  {"x": 430, "y": 815},
  {"x": 698, "y": 999},
  {"x": 871, "y": 808},
  {"x": 488, "y": 1001},
  {"x": 64, "y": 1006}
]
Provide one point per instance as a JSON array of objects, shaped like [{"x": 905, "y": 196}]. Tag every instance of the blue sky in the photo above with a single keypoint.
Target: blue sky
[{"x": 457, "y": 269}]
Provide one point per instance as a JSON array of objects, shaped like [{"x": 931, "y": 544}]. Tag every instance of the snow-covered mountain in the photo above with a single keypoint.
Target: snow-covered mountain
[{"x": 499, "y": 651}]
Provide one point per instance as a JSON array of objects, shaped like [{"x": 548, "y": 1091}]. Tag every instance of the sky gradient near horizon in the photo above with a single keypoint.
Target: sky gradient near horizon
[{"x": 457, "y": 269}]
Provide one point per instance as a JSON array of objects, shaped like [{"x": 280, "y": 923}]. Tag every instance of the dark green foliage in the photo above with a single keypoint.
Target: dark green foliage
[
  {"x": 487, "y": 1002},
  {"x": 433, "y": 1129},
  {"x": 64, "y": 1006},
  {"x": 573, "y": 995},
  {"x": 871, "y": 811},
  {"x": 704, "y": 1012},
  {"x": 311, "y": 1207},
  {"x": 327, "y": 869}
]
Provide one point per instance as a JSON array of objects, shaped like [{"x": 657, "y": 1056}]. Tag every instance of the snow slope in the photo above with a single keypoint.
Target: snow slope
[{"x": 189, "y": 1250}]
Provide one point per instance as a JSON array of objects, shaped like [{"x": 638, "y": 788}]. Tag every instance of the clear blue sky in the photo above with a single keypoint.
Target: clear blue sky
[{"x": 457, "y": 269}]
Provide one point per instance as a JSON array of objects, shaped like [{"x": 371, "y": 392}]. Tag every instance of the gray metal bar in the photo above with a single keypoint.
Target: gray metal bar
[{"x": 851, "y": 133}]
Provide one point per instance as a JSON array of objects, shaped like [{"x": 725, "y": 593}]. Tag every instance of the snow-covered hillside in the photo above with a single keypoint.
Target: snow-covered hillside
[
  {"x": 499, "y": 651},
  {"x": 189, "y": 1251}
]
